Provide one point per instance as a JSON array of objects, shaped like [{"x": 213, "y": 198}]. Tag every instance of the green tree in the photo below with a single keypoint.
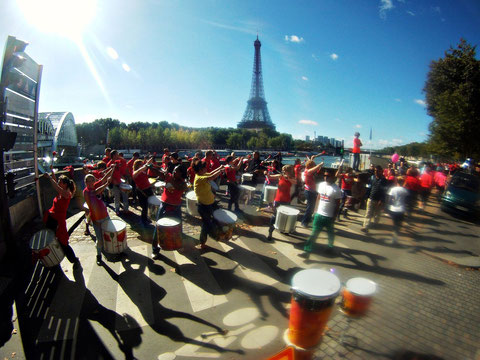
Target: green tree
[{"x": 452, "y": 92}]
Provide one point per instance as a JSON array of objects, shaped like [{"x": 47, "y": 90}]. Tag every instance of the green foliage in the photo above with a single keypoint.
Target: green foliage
[
  {"x": 414, "y": 149},
  {"x": 452, "y": 92}
]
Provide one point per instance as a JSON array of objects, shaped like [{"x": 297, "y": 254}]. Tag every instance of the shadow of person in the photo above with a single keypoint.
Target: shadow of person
[
  {"x": 123, "y": 328},
  {"x": 151, "y": 309}
]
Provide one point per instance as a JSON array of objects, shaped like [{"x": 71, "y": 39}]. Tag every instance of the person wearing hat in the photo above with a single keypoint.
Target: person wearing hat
[{"x": 356, "y": 151}]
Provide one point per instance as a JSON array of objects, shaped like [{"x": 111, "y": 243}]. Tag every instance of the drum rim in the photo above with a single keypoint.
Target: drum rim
[
  {"x": 355, "y": 279},
  {"x": 107, "y": 222},
  {"x": 157, "y": 197},
  {"x": 228, "y": 211},
  {"x": 290, "y": 208},
  {"x": 169, "y": 218},
  {"x": 247, "y": 187},
  {"x": 42, "y": 230},
  {"x": 302, "y": 292},
  {"x": 190, "y": 198}
]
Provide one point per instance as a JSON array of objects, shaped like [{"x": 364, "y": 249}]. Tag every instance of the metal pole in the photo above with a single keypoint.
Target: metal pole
[{"x": 35, "y": 139}]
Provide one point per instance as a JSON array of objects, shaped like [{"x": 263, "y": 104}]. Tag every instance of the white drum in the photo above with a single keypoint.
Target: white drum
[
  {"x": 192, "y": 208},
  {"x": 153, "y": 205},
  {"x": 159, "y": 185},
  {"x": 224, "y": 224},
  {"x": 286, "y": 219},
  {"x": 246, "y": 192},
  {"x": 214, "y": 185},
  {"x": 125, "y": 187},
  {"x": 87, "y": 213},
  {"x": 114, "y": 236},
  {"x": 269, "y": 193},
  {"x": 247, "y": 177},
  {"x": 46, "y": 248}
]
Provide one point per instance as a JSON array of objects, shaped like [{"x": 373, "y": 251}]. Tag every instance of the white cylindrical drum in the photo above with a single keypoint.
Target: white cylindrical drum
[
  {"x": 125, "y": 187},
  {"x": 46, "y": 248},
  {"x": 159, "y": 185},
  {"x": 225, "y": 223},
  {"x": 286, "y": 219},
  {"x": 87, "y": 213},
  {"x": 247, "y": 177},
  {"x": 153, "y": 205},
  {"x": 246, "y": 192},
  {"x": 214, "y": 185},
  {"x": 269, "y": 193},
  {"x": 192, "y": 208},
  {"x": 114, "y": 236}
]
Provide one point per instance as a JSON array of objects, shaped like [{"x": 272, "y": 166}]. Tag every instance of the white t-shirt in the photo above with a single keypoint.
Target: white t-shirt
[
  {"x": 398, "y": 197},
  {"x": 328, "y": 193}
]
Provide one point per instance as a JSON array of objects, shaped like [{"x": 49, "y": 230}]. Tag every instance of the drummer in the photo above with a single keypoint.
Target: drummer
[
  {"x": 97, "y": 208},
  {"x": 272, "y": 169},
  {"x": 310, "y": 189},
  {"x": 116, "y": 181},
  {"x": 233, "y": 165},
  {"x": 55, "y": 218},
  {"x": 171, "y": 201},
  {"x": 205, "y": 197},
  {"x": 129, "y": 176},
  {"x": 144, "y": 188},
  {"x": 285, "y": 181}
]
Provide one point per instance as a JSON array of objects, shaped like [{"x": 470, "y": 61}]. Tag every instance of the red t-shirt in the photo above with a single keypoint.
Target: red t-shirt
[
  {"x": 215, "y": 163},
  {"x": 208, "y": 164},
  {"x": 171, "y": 195},
  {"x": 283, "y": 191},
  {"x": 98, "y": 210},
  {"x": 141, "y": 180},
  {"x": 191, "y": 174},
  {"x": 310, "y": 181},
  {"x": 426, "y": 180},
  {"x": 117, "y": 173},
  {"x": 59, "y": 208},
  {"x": 123, "y": 166},
  {"x": 98, "y": 174},
  {"x": 356, "y": 145},
  {"x": 347, "y": 181},
  {"x": 130, "y": 166},
  {"x": 230, "y": 174},
  {"x": 106, "y": 159},
  {"x": 298, "y": 168},
  {"x": 412, "y": 183}
]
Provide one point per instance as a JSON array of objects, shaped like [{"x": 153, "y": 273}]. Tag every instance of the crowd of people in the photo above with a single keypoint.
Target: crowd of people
[{"x": 326, "y": 194}]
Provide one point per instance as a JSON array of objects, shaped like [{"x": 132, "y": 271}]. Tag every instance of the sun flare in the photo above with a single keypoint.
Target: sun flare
[{"x": 64, "y": 17}]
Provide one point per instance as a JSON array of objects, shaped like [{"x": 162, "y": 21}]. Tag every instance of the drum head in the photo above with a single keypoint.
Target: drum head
[
  {"x": 361, "y": 286},
  {"x": 160, "y": 184},
  {"x": 247, "y": 187},
  {"x": 154, "y": 200},
  {"x": 168, "y": 221},
  {"x": 214, "y": 185},
  {"x": 114, "y": 226},
  {"x": 287, "y": 210},
  {"x": 41, "y": 239},
  {"x": 316, "y": 284},
  {"x": 126, "y": 186},
  {"x": 271, "y": 188},
  {"x": 225, "y": 216},
  {"x": 191, "y": 195}
]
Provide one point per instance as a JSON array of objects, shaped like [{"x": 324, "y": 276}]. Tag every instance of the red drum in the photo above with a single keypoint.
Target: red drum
[
  {"x": 46, "y": 248},
  {"x": 169, "y": 233},
  {"x": 313, "y": 298},
  {"x": 225, "y": 223},
  {"x": 114, "y": 236},
  {"x": 357, "y": 296}
]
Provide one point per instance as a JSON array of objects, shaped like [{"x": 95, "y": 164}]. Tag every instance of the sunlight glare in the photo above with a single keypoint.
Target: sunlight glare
[
  {"x": 112, "y": 53},
  {"x": 63, "y": 17}
]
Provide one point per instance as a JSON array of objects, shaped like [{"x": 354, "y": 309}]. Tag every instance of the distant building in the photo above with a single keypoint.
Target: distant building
[{"x": 307, "y": 138}]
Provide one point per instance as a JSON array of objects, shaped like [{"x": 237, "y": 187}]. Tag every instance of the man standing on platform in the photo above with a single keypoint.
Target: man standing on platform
[
  {"x": 328, "y": 204},
  {"x": 356, "y": 151}
]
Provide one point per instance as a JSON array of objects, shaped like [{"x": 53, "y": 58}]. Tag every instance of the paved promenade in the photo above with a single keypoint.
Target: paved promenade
[{"x": 232, "y": 300}]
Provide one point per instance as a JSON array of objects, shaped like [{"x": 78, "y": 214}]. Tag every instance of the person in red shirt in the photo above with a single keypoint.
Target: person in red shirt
[
  {"x": 171, "y": 201},
  {"x": 208, "y": 161},
  {"x": 412, "y": 184},
  {"x": 106, "y": 159},
  {"x": 166, "y": 153},
  {"x": 347, "y": 180},
  {"x": 231, "y": 168},
  {"x": 272, "y": 169},
  {"x": 144, "y": 188},
  {"x": 116, "y": 181},
  {"x": 97, "y": 209},
  {"x": 285, "y": 181},
  {"x": 310, "y": 189},
  {"x": 123, "y": 164},
  {"x": 56, "y": 217},
  {"x": 297, "y": 168},
  {"x": 129, "y": 175},
  {"x": 426, "y": 183},
  {"x": 356, "y": 151}
]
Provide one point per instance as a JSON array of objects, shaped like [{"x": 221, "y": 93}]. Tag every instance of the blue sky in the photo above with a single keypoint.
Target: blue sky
[{"x": 329, "y": 66}]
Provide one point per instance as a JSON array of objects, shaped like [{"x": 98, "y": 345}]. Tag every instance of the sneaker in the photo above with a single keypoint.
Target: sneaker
[
  {"x": 99, "y": 260},
  {"x": 155, "y": 254},
  {"x": 364, "y": 229},
  {"x": 269, "y": 238},
  {"x": 76, "y": 264},
  {"x": 305, "y": 255}
]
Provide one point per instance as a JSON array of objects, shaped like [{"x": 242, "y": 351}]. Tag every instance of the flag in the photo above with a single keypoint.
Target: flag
[{"x": 370, "y": 133}]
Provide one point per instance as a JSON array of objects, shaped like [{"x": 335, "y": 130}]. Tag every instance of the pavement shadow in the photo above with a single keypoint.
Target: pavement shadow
[
  {"x": 151, "y": 309},
  {"x": 54, "y": 328}
]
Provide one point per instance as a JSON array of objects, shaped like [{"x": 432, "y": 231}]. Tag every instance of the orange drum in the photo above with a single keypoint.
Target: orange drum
[
  {"x": 313, "y": 298},
  {"x": 169, "y": 233},
  {"x": 357, "y": 296}
]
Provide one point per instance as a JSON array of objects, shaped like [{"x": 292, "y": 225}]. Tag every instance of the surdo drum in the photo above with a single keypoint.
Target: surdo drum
[
  {"x": 46, "y": 248},
  {"x": 247, "y": 177},
  {"x": 192, "y": 208},
  {"x": 246, "y": 192},
  {"x": 286, "y": 219},
  {"x": 159, "y": 185},
  {"x": 269, "y": 193},
  {"x": 125, "y": 187},
  {"x": 114, "y": 236},
  {"x": 224, "y": 224},
  {"x": 169, "y": 233},
  {"x": 313, "y": 297},
  {"x": 153, "y": 205},
  {"x": 87, "y": 214},
  {"x": 357, "y": 296}
]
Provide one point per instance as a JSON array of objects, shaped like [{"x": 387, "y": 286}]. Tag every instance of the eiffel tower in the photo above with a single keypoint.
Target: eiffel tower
[{"x": 256, "y": 116}]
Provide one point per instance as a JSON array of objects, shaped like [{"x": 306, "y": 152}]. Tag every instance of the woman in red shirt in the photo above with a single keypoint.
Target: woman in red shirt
[
  {"x": 285, "y": 181},
  {"x": 233, "y": 165},
  {"x": 412, "y": 184},
  {"x": 347, "y": 180},
  {"x": 56, "y": 217},
  {"x": 144, "y": 188},
  {"x": 171, "y": 201},
  {"x": 310, "y": 189}
]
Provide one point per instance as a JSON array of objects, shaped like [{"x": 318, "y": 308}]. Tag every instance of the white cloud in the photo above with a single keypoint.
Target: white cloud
[
  {"x": 410, "y": 13},
  {"x": 358, "y": 126},
  {"x": 420, "y": 102},
  {"x": 385, "y": 5},
  {"x": 315, "y": 57},
  {"x": 333, "y": 56},
  {"x": 126, "y": 67},
  {"x": 294, "y": 38},
  {"x": 304, "y": 78},
  {"x": 398, "y": 100},
  {"x": 112, "y": 53},
  {"x": 308, "y": 122}
]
